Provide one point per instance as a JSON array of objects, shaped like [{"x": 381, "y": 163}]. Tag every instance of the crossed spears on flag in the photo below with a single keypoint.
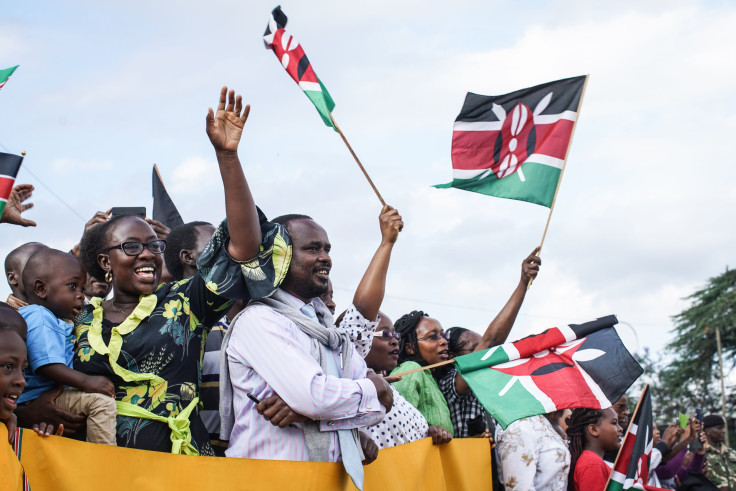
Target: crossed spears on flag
[{"x": 493, "y": 137}]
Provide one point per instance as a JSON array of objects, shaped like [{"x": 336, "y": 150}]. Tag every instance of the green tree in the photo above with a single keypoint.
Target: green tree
[{"x": 690, "y": 378}]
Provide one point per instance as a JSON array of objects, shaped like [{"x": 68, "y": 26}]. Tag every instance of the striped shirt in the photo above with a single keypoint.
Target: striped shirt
[
  {"x": 209, "y": 393},
  {"x": 268, "y": 354}
]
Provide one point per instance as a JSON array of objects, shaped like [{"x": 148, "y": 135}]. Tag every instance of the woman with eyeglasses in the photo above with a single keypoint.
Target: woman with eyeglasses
[
  {"x": 441, "y": 394},
  {"x": 404, "y": 423},
  {"x": 148, "y": 338}
]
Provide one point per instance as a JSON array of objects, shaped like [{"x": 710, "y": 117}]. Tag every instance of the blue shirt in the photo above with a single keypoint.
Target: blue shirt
[{"x": 50, "y": 340}]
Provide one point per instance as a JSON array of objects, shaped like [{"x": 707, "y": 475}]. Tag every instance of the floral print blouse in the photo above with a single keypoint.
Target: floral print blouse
[{"x": 154, "y": 357}]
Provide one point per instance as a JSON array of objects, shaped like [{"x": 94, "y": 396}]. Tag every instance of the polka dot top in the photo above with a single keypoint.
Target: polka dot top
[{"x": 403, "y": 424}]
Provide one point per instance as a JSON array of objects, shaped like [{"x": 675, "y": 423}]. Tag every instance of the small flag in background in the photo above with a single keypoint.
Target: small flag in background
[
  {"x": 164, "y": 210},
  {"x": 9, "y": 167},
  {"x": 583, "y": 365},
  {"x": 5, "y": 75},
  {"x": 513, "y": 145},
  {"x": 294, "y": 60},
  {"x": 631, "y": 470}
]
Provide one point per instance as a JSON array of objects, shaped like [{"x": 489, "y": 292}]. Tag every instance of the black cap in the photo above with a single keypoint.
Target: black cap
[{"x": 713, "y": 420}]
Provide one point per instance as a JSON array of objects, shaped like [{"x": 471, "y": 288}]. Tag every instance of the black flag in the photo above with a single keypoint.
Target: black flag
[{"x": 164, "y": 209}]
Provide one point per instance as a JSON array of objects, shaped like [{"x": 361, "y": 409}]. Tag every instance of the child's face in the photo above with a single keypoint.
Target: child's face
[
  {"x": 609, "y": 431},
  {"x": 12, "y": 364},
  {"x": 65, "y": 289}
]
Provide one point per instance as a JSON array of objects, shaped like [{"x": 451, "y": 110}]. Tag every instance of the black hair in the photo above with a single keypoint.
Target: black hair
[
  {"x": 183, "y": 237},
  {"x": 93, "y": 242},
  {"x": 453, "y": 342},
  {"x": 12, "y": 260},
  {"x": 285, "y": 220},
  {"x": 577, "y": 424},
  {"x": 11, "y": 320},
  {"x": 43, "y": 264},
  {"x": 406, "y": 325}
]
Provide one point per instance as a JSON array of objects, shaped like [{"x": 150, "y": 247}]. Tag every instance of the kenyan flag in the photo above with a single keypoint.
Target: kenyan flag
[
  {"x": 631, "y": 470},
  {"x": 583, "y": 365},
  {"x": 514, "y": 145},
  {"x": 5, "y": 75},
  {"x": 294, "y": 60},
  {"x": 9, "y": 167}
]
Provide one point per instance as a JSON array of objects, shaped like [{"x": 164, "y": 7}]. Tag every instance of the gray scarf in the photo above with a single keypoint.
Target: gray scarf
[{"x": 323, "y": 339}]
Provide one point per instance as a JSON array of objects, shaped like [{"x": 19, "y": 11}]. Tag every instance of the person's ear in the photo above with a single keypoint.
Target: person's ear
[
  {"x": 39, "y": 289},
  {"x": 187, "y": 257},
  {"x": 593, "y": 430},
  {"x": 409, "y": 349},
  {"x": 12, "y": 278},
  {"x": 104, "y": 261}
]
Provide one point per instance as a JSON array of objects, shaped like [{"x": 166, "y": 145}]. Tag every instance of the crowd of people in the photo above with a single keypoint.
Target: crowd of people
[{"x": 224, "y": 340}]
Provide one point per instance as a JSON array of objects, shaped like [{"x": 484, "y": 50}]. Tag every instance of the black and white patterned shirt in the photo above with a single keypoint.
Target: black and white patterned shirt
[{"x": 463, "y": 408}]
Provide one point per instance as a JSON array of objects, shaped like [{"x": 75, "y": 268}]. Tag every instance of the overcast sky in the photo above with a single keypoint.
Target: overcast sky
[{"x": 645, "y": 211}]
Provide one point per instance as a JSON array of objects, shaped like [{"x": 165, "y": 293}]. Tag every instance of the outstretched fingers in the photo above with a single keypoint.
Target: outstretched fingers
[
  {"x": 230, "y": 101},
  {"x": 223, "y": 95}
]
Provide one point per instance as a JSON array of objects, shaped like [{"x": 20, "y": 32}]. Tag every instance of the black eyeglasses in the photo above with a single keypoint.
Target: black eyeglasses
[
  {"x": 386, "y": 334},
  {"x": 436, "y": 336},
  {"x": 135, "y": 248}
]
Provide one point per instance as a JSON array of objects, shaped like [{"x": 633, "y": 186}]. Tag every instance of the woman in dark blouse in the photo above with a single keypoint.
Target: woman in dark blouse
[{"x": 149, "y": 338}]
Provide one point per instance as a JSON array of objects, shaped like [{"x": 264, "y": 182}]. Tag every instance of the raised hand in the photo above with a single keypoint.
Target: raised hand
[
  {"x": 226, "y": 126},
  {"x": 391, "y": 224},
  {"x": 162, "y": 231},
  {"x": 530, "y": 267},
  {"x": 14, "y": 207}
]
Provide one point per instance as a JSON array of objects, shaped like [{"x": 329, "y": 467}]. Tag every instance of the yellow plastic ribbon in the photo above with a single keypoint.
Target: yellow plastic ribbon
[
  {"x": 181, "y": 435},
  {"x": 144, "y": 309}
]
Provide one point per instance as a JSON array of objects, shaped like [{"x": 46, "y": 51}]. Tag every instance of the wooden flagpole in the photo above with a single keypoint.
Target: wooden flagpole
[
  {"x": 375, "y": 190},
  {"x": 562, "y": 170},
  {"x": 428, "y": 367},
  {"x": 626, "y": 432}
]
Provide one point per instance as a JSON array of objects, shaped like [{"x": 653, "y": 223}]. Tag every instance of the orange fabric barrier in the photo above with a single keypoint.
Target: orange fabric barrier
[{"x": 59, "y": 464}]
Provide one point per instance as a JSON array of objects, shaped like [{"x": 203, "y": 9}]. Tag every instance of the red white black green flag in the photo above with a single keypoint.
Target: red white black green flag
[
  {"x": 631, "y": 470},
  {"x": 514, "y": 145},
  {"x": 294, "y": 60},
  {"x": 9, "y": 167},
  {"x": 580, "y": 365},
  {"x": 5, "y": 75}
]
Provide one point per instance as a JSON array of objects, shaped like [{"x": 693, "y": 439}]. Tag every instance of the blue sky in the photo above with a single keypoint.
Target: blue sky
[{"x": 645, "y": 210}]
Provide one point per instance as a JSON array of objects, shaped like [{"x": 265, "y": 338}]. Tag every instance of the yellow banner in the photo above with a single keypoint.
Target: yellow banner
[{"x": 59, "y": 464}]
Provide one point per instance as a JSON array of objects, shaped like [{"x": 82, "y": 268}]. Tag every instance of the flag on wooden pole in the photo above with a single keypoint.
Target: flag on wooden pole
[
  {"x": 9, "y": 167},
  {"x": 515, "y": 145},
  {"x": 295, "y": 61},
  {"x": 580, "y": 365},
  {"x": 631, "y": 470}
]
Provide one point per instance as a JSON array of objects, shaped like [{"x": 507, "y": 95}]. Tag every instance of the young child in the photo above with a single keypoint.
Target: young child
[
  {"x": 12, "y": 363},
  {"x": 54, "y": 283},
  {"x": 592, "y": 432}
]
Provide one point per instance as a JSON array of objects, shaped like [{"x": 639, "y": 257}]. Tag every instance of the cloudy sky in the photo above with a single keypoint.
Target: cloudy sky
[{"x": 644, "y": 214}]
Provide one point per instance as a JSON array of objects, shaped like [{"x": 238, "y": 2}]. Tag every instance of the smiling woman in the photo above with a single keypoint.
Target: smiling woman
[{"x": 148, "y": 337}]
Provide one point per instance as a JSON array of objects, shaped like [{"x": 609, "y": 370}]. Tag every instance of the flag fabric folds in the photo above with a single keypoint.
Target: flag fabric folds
[
  {"x": 5, "y": 75},
  {"x": 164, "y": 209},
  {"x": 9, "y": 167},
  {"x": 295, "y": 61},
  {"x": 631, "y": 470},
  {"x": 583, "y": 365},
  {"x": 514, "y": 145}
]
